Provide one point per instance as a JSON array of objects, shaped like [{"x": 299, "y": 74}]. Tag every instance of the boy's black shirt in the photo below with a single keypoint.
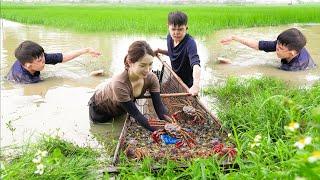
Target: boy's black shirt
[
  {"x": 183, "y": 57},
  {"x": 19, "y": 74},
  {"x": 301, "y": 62}
]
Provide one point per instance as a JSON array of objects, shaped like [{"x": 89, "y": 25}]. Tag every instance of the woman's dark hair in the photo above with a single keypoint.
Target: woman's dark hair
[
  {"x": 177, "y": 18},
  {"x": 27, "y": 51},
  {"x": 293, "y": 39},
  {"x": 137, "y": 50}
]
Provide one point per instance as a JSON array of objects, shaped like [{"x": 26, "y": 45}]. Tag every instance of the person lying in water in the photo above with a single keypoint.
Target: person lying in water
[
  {"x": 289, "y": 46},
  {"x": 118, "y": 96},
  {"x": 31, "y": 59}
]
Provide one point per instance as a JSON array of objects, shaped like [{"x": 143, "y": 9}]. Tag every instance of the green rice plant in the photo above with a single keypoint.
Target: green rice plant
[{"x": 151, "y": 19}]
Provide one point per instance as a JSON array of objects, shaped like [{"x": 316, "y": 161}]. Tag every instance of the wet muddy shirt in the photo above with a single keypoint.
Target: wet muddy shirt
[
  {"x": 108, "y": 97},
  {"x": 301, "y": 62},
  {"x": 19, "y": 74},
  {"x": 183, "y": 57}
]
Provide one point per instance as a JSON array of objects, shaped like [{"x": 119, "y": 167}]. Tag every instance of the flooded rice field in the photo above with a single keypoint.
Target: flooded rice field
[{"x": 58, "y": 105}]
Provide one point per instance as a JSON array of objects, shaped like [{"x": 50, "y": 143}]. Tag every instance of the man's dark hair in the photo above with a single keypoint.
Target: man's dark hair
[
  {"x": 27, "y": 51},
  {"x": 293, "y": 39},
  {"x": 177, "y": 18}
]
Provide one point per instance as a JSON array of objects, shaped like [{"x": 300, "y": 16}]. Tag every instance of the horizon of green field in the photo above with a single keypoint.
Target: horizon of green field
[{"x": 151, "y": 19}]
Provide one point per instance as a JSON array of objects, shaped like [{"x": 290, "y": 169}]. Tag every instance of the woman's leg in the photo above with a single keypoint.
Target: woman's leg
[{"x": 98, "y": 117}]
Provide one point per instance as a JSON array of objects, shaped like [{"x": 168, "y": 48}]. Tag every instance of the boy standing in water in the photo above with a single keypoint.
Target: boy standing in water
[
  {"x": 182, "y": 51},
  {"x": 31, "y": 59},
  {"x": 289, "y": 47}
]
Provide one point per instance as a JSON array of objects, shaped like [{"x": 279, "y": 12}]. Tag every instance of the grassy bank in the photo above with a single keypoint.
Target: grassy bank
[
  {"x": 153, "y": 19},
  {"x": 266, "y": 108},
  {"x": 50, "y": 158},
  {"x": 260, "y": 114}
]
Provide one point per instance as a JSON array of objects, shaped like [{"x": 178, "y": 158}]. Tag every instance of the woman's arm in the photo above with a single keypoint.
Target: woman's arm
[
  {"x": 160, "y": 109},
  {"x": 132, "y": 109}
]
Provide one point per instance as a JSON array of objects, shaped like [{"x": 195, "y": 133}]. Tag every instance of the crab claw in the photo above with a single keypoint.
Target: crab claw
[
  {"x": 179, "y": 144},
  {"x": 175, "y": 115},
  {"x": 155, "y": 136},
  {"x": 229, "y": 151},
  {"x": 191, "y": 142},
  {"x": 218, "y": 148}
]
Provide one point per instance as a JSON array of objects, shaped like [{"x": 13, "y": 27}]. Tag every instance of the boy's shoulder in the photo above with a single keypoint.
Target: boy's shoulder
[
  {"x": 16, "y": 65},
  {"x": 16, "y": 69},
  {"x": 18, "y": 74},
  {"x": 190, "y": 42},
  {"x": 191, "y": 39},
  {"x": 305, "y": 56},
  {"x": 301, "y": 62}
]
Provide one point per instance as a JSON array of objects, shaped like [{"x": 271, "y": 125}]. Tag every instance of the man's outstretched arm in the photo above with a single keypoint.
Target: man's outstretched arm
[
  {"x": 73, "y": 54},
  {"x": 254, "y": 44}
]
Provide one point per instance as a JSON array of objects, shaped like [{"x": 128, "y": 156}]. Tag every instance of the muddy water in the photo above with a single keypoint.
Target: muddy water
[{"x": 58, "y": 105}]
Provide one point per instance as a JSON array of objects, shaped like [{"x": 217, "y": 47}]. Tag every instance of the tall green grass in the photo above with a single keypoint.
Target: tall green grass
[
  {"x": 249, "y": 108},
  {"x": 64, "y": 160},
  {"x": 146, "y": 19}
]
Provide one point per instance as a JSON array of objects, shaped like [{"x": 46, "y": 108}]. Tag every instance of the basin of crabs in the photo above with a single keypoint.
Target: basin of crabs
[
  {"x": 197, "y": 134},
  {"x": 173, "y": 129}
]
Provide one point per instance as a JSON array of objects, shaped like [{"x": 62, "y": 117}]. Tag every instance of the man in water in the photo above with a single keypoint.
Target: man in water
[
  {"x": 31, "y": 59},
  {"x": 289, "y": 46}
]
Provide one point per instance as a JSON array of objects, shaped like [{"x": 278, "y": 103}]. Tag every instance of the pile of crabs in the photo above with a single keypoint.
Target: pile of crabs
[{"x": 196, "y": 134}]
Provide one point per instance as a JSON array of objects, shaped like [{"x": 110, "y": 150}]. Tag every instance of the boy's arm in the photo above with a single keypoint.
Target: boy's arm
[
  {"x": 254, "y": 44},
  {"x": 73, "y": 54},
  {"x": 194, "y": 90},
  {"x": 161, "y": 51}
]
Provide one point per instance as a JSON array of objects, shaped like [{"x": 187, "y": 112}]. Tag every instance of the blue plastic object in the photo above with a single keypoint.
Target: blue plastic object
[{"x": 168, "y": 139}]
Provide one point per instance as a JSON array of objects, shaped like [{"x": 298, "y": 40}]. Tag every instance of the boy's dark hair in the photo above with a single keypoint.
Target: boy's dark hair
[
  {"x": 137, "y": 50},
  {"x": 293, "y": 39},
  {"x": 27, "y": 51},
  {"x": 177, "y": 18}
]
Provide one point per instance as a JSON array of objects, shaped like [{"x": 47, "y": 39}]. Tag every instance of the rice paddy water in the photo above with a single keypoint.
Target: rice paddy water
[{"x": 59, "y": 104}]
